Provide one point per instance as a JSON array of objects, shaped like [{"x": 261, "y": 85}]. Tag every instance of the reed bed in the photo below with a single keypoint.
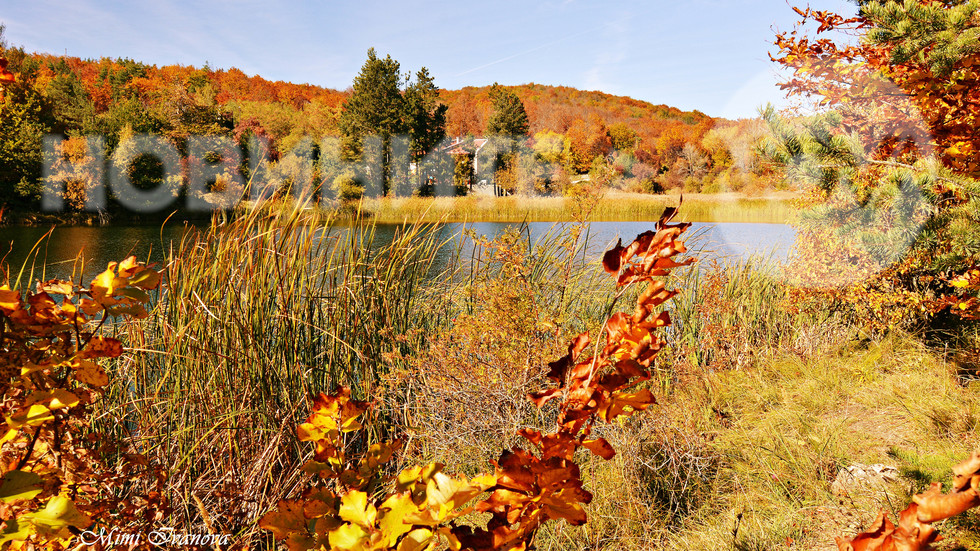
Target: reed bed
[
  {"x": 610, "y": 207},
  {"x": 259, "y": 314},
  {"x": 730, "y": 311},
  {"x": 263, "y": 311}
]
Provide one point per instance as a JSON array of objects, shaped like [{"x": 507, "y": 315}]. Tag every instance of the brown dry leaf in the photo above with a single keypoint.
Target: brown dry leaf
[
  {"x": 915, "y": 531},
  {"x": 600, "y": 447},
  {"x": 935, "y": 505},
  {"x": 90, "y": 373},
  {"x": 617, "y": 405},
  {"x": 102, "y": 347},
  {"x": 873, "y": 539}
]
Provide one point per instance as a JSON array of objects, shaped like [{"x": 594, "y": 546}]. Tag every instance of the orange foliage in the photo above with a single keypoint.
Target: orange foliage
[
  {"x": 923, "y": 107},
  {"x": 556, "y": 108},
  {"x": 56, "y": 480},
  {"x": 965, "y": 302},
  {"x": 5, "y": 75},
  {"x": 586, "y": 141}
]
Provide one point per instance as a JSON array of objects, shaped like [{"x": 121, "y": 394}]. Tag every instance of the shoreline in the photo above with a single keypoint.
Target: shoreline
[
  {"x": 611, "y": 207},
  {"x": 774, "y": 208}
]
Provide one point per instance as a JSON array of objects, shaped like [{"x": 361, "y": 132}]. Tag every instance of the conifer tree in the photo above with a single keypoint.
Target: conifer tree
[
  {"x": 24, "y": 120},
  {"x": 508, "y": 116},
  {"x": 507, "y": 130},
  {"x": 374, "y": 108},
  {"x": 386, "y": 105},
  {"x": 894, "y": 160},
  {"x": 425, "y": 115}
]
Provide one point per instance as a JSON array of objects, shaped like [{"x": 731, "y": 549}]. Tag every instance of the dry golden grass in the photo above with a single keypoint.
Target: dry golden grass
[{"x": 612, "y": 206}]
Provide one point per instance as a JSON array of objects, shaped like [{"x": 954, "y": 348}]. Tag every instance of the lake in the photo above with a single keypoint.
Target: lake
[{"x": 102, "y": 244}]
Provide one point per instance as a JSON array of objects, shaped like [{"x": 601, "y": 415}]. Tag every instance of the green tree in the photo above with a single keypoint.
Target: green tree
[
  {"x": 896, "y": 160},
  {"x": 463, "y": 173},
  {"x": 508, "y": 117},
  {"x": 425, "y": 115},
  {"x": 374, "y": 108},
  {"x": 388, "y": 106},
  {"x": 25, "y": 117},
  {"x": 425, "y": 118},
  {"x": 73, "y": 109},
  {"x": 507, "y": 126}
]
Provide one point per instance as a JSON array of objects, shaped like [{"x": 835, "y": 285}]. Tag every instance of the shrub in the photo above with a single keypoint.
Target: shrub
[{"x": 58, "y": 477}]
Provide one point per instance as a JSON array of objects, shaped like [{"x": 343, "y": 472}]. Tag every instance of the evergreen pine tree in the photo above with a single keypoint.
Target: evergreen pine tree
[
  {"x": 508, "y": 117},
  {"x": 400, "y": 113},
  {"x": 910, "y": 199}
]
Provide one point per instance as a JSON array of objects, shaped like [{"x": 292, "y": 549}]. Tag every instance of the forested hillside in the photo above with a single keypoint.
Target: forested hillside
[{"x": 625, "y": 143}]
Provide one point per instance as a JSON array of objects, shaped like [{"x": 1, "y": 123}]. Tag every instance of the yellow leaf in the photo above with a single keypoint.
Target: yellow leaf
[
  {"x": 58, "y": 398},
  {"x": 394, "y": 511},
  {"x": 417, "y": 540},
  {"x": 354, "y": 507},
  {"x": 16, "y": 531},
  {"x": 454, "y": 543},
  {"x": 146, "y": 279},
  {"x": 129, "y": 266},
  {"x": 447, "y": 494},
  {"x": 407, "y": 478},
  {"x": 59, "y": 513},
  {"x": 17, "y": 485},
  {"x": 349, "y": 537},
  {"x": 34, "y": 415},
  {"x": 105, "y": 284}
]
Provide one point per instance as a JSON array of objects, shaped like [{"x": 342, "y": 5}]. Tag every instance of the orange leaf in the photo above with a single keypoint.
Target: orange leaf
[
  {"x": 90, "y": 373},
  {"x": 618, "y": 403},
  {"x": 9, "y": 300},
  {"x": 102, "y": 347},
  {"x": 600, "y": 447}
]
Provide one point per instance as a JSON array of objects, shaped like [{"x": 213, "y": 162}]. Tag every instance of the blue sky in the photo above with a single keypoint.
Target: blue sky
[{"x": 709, "y": 55}]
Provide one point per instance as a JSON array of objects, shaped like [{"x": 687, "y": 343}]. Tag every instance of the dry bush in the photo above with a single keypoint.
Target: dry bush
[{"x": 466, "y": 395}]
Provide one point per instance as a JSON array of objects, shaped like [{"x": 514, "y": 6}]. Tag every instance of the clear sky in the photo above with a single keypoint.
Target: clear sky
[{"x": 710, "y": 55}]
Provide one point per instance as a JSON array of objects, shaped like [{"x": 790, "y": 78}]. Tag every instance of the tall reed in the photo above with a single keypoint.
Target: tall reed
[
  {"x": 258, "y": 314},
  {"x": 730, "y": 311}
]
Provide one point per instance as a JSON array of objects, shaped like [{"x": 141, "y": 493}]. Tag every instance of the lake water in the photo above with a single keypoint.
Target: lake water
[{"x": 101, "y": 245}]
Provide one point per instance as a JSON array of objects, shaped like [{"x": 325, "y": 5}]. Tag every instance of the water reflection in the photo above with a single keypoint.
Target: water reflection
[{"x": 56, "y": 256}]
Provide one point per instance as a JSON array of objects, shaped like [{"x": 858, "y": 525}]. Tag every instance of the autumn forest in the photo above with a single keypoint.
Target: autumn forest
[
  {"x": 378, "y": 318},
  {"x": 631, "y": 145}
]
